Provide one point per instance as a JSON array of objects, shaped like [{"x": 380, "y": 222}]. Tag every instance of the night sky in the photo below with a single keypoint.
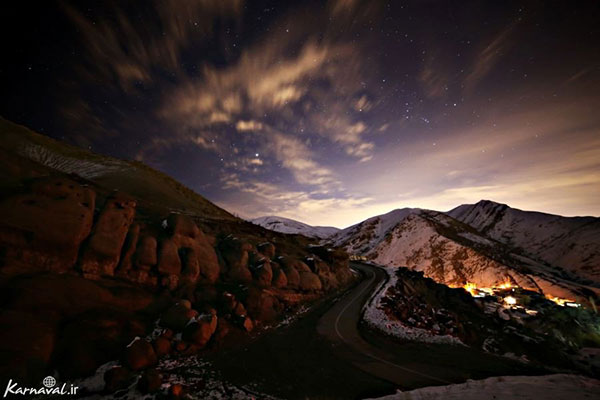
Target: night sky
[{"x": 326, "y": 112}]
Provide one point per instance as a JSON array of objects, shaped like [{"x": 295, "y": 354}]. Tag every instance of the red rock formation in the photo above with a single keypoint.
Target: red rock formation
[
  {"x": 102, "y": 252},
  {"x": 43, "y": 227},
  {"x": 235, "y": 255},
  {"x": 200, "y": 331},
  {"x": 139, "y": 355},
  {"x": 129, "y": 249}
]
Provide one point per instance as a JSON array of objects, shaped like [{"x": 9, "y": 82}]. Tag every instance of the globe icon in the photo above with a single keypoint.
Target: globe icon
[{"x": 49, "y": 381}]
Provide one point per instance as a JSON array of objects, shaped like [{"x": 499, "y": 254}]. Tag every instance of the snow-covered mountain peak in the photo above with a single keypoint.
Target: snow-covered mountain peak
[
  {"x": 486, "y": 243},
  {"x": 290, "y": 226}
]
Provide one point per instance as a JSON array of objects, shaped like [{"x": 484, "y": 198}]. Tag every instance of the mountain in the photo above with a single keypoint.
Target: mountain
[
  {"x": 286, "y": 225},
  {"x": 25, "y": 154},
  {"x": 571, "y": 243},
  {"x": 454, "y": 253},
  {"x": 103, "y": 248}
]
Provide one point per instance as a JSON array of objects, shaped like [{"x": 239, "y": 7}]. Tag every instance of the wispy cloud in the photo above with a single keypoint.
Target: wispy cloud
[
  {"x": 128, "y": 52},
  {"x": 489, "y": 56}
]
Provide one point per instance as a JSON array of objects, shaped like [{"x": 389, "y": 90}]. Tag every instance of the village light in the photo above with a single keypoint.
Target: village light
[{"x": 511, "y": 301}]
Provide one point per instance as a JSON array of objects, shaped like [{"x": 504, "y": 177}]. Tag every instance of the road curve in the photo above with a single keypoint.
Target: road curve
[{"x": 340, "y": 325}]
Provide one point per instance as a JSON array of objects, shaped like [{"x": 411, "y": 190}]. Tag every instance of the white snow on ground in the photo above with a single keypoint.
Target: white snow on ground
[
  {"x": 193, "y": 372},
  {"x": 84, "y": 168},
  {"x": 548, "y": 387},
  {"x": 286, "y": 225},
  {"x": 375, "y": 317},
  {"x": 413, "y": 238}
]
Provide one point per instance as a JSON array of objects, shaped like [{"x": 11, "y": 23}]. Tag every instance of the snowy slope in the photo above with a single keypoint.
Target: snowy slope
[
  {"x": 549, "y": 387},
  {"x": 452, "y": 253},
  {"x": 569, "y": 243},
  {"x": 286, "y": 225}
]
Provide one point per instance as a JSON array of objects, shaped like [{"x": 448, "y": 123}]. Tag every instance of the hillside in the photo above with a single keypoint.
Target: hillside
[
  {"x": 453, "y": 253},
  {"x": 25, "y": 154},
  {"x": 286, "y": 225},
  {"x": 571, "y": 243},
  {"x": 95, "y": 251}
]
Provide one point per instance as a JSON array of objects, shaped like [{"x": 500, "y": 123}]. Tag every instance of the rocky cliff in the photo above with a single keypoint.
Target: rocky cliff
[{"x": 87, "y": 265}]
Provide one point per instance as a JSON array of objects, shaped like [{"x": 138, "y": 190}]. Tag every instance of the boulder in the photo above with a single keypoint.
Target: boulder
[
  {"x": 203, "y": 259},
  {"x": 171, "y": 282},
  {"x": 145, "y": 256},
  {"x": 139, "y": 355},
  {"x": 247, "y": 324},
  {"x": 267, "y": 250},
  {"x": 293, "y": 277},
  {"x": 176, "y": 391},
  {"x": 262, "y": 305},
  {"x": 227, "y": 303},
  {"x": 177, "y": 317},
  {"x": 239, "y": 310},
  {"x": 309, "y": 282},
  {"x": 180, "y": 224},
  {"x": 169, "y": 262},
  {"x": 44, "y": 227},
  {"x": 279, "y": 279},
  {"x": 240, "y": 274},
  {"x": 162, "y": 346},
  {"x": 150, "y": 381},
  {"x": 191, "y": 266},
  {"x": 129, "y": 249},
  {"x": 298, "y": 265},
  {"x": 336, "y": 258},
  {"x": 103, "y": 250},
  {"x": 235, "y": 256},
  {"x": 264, "y": 274},
  {"x": 323, "y": 271},
  {"x": 200, "y": 332},
  {"x": 186, "y": 303},
  {"x": 223, "y": 328}
]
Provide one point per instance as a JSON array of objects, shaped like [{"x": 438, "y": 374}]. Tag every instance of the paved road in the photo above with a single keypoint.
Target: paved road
[
  {"x": 407, "y": 365},
  {"x": 340, "y": 325}
]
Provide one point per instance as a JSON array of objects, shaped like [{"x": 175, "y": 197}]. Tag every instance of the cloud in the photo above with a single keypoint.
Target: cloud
[
  {"x": 268, "y": 198},
  {"x": 129, "y": 51},
  {"x": 250, "y": 125},
  {"x": 296, "y": 156},
  {"x": 487, "y": 58},
  {"x": 433, "y": 79}
]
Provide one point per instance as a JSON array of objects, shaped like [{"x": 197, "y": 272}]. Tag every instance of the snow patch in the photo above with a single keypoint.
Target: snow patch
[
  {"x": 548, "y": 387},
  {"x": 375, "y": 316}
]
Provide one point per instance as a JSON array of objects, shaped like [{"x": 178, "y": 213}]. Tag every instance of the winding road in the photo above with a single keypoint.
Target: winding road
[
  {"x": 340, "y": 325},
  {"x": 340, "y": 360},
  {"x": 406, "y": 365}
]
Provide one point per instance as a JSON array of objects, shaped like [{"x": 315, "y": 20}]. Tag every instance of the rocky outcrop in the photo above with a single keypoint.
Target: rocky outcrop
[
  {"x": 169, "y": 262},
  {"x": 177, "y": 317},
  {"x": 267, "y": 250},
  {"x": 309, "y": 282},
  {"x": 139, "y": 355},
  {"x": 129, "y": 250},
  {"x": 262, "y": 305},
  {"x": 126, "y": 263},
  {"x": 42, "y": 226},
  {"x": 235, "y": 256},
  {"x": 201, "y": 263},
  {"x": 201, "y": 330},
  {"x": 102, "y": 252},
  {"x": 264, "y": 274},
  {"x": 279, "y": 278}
]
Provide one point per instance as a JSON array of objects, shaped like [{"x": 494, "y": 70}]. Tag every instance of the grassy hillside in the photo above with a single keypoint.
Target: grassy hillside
[{"x": 26, "y": 154}]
